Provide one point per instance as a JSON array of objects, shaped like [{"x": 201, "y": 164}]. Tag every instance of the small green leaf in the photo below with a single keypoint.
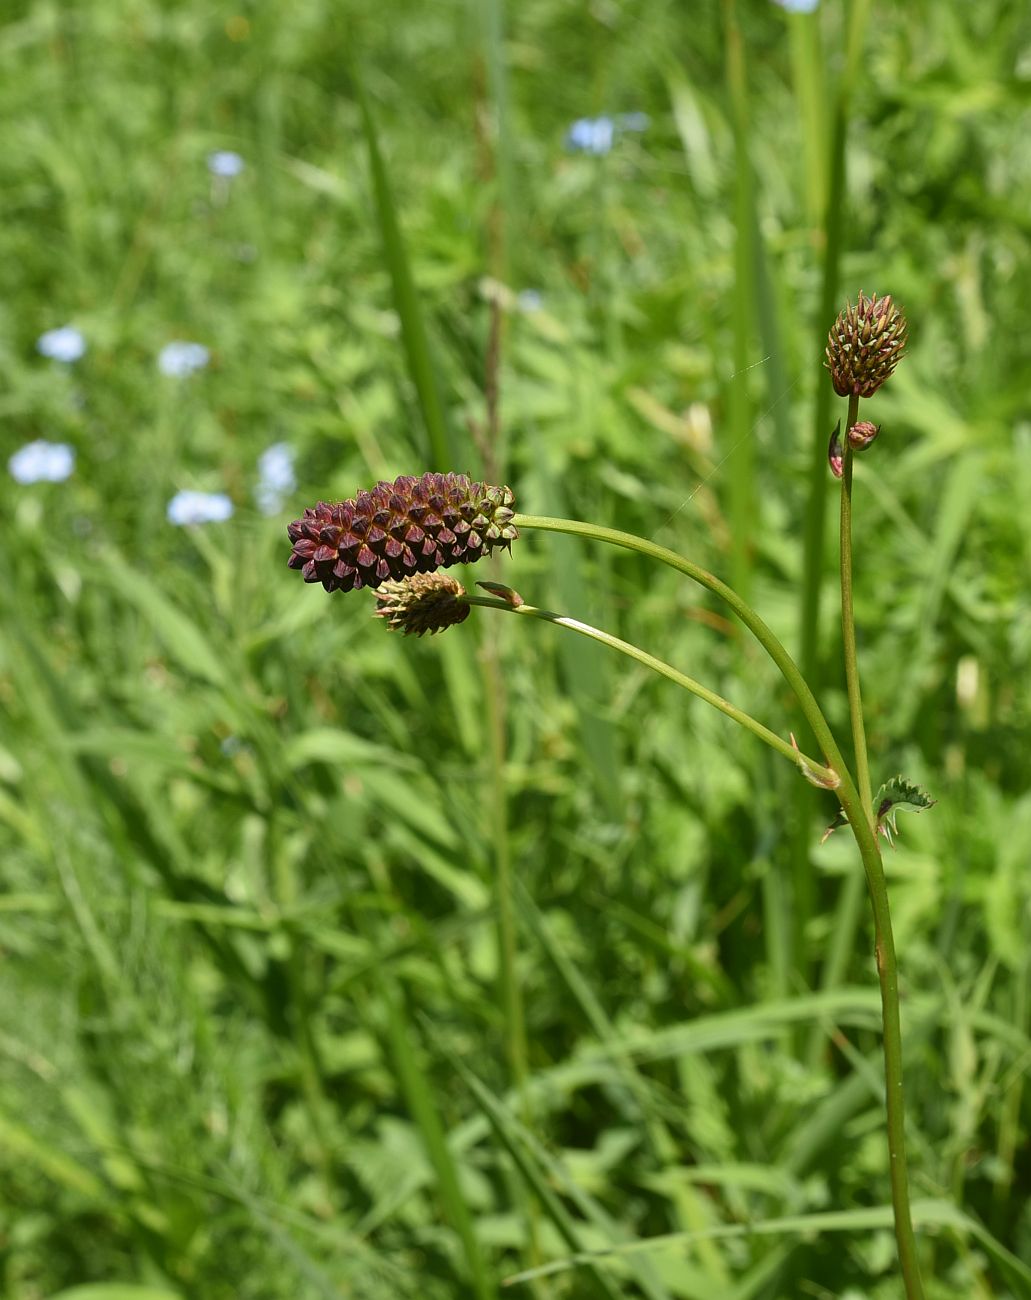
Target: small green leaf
[
  {"x": 895, "y": 796},
  {"x": 505, "y": 593}
]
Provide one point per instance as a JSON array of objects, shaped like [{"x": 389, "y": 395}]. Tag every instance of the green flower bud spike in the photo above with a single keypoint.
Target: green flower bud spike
[{"x": 425, "y": 602}]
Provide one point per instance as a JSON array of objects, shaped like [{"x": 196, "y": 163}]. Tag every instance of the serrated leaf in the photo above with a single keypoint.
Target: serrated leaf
[{"x": 895, "y": 796}]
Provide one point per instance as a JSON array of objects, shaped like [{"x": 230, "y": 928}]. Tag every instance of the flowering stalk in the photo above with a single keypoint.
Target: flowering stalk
[
  {"x": 859, "y": 818},
  {"x": 397, "y": 537},
  {"x": 864, "y": 346}
]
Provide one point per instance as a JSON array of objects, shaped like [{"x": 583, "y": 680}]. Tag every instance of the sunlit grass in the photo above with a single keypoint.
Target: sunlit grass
[{"x": 253, "y": 1043}]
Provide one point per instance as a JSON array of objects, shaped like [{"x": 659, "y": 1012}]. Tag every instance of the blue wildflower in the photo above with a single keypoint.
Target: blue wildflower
[
  {"x": 42, "y": 462},
  {"x": 189, "y": 507},
  {"x": 180, "y": 358},
  {"x": 225, "y": 163},
  {"x": 798, "y": 6},
  {"x": 276, "y": 477},
  {"x": 530, "y": 300},
  {"x": 591, "y": 135},
  {"x": 64, "y": 344}
]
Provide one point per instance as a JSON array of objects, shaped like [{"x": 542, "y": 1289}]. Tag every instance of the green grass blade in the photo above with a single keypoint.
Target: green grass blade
[
  {"x": 739, "y": 433},
  {"x": 418, "y": 1095},
  {"x": 931, "y": 1214},
  {"x": 406, "y": 300},
  {"x": 505, "y": 1130}
]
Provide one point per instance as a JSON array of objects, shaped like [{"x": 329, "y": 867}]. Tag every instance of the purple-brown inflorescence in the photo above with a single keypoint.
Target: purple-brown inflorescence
[
  {"x": 425, "y": 602},
  {"x": 866, "y": 343},
  {"x": 413, "y": 525}
]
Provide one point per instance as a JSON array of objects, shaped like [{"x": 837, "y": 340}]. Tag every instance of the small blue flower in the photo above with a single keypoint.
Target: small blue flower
[
  {"x": 65, "y": 344},
  {"x": 180, "y": 359},
  {"x": 199, "y": 508},
  {"x": 225, "y": 163},
  {"x": 798, "y": 6},
  {"x": 276, "y": 477},
  {"x": 42, "y": 462},
  {"x": 591, "y": 135},
  {"x": 530, "y": 300}
]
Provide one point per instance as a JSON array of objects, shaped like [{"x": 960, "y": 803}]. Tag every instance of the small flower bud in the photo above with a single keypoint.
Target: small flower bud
[
  {"x": 424, "y": 602},
  {"x": 865, "y": 344},
  {"x": 835, "y": 452},
  {"x": 862, "y": 434},
  {"x": 413, "y": 525}
]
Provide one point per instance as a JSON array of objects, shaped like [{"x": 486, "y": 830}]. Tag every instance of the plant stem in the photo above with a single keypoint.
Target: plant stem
[
  {"x": 848, "y": 622},
  {"x": 888, "y": 975},
  {"x": 858, "y": 815},
  {"x": 863, "y": 826},
  {"x": 821, "y": 773},
  {"x": 744, "y": 611}
]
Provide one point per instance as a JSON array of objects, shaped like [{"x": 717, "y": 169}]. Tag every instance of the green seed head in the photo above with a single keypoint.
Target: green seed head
[{"x": 424, "y": 602}]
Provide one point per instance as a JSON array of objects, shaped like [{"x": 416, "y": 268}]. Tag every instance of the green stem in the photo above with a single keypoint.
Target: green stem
[
  {"x": 822, "y": 774},
  {"x": 744, "y": 611},
  {"x": 857, "y": 813},
  {"x": 848, "y": 621},
  {"x": 888, "y": 975}
]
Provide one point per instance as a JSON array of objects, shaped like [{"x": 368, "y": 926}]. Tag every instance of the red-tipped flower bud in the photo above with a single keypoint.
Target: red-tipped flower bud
[
  {"x": 835, "y": 452},
  {"x": 425, "y": 602},
  {"x": 413, "y": 525},
  {"x": 865, "y": 344},
  {"x": 862, "y": 434}
]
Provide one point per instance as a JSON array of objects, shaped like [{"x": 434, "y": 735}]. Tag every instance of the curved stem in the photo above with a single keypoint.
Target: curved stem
[
  {"x": 744, "y": 611},
  {"x": 848, "y": 622},
  {"x": 858, "y": 815},
  {"x": 824, "y": 775}
]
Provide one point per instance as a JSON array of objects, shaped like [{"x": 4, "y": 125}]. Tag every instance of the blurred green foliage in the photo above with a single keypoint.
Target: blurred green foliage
[{"x": 251, "y": 1043}]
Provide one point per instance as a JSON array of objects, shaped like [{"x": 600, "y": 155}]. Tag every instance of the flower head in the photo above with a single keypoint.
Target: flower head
[
  {"x": 65, "y": 344},
  {"x": 276, "y": 477},
  {"x": 225, "y": 163},
  {"x": 591, "y": 135},
  {"x": 42, "y": 462},
  {"x": 188, "y": 507},
  {"x": 413, "y": 525},
  {"x": 799, "y": 6},
  {"x": 865, "y": 344},
  {"x": 180, "y": 358},
  {"x": 423, "y": 602}
]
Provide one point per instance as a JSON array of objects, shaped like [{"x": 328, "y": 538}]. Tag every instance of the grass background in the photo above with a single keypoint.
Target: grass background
[{"x": 260, "y": 1026}]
